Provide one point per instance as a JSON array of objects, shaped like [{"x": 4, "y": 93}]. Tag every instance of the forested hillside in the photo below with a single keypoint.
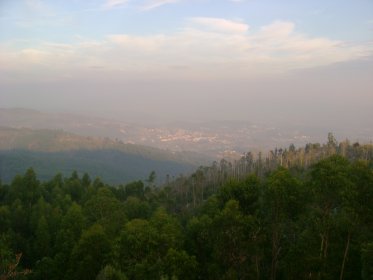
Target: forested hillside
[
  {"x": 113, "y": 166},
  {"x": 303, "y": 214},
  {"x": 205, "y": 180},
  {"x": 52, "y": 151},
  {"x": 49, "y": 140}
]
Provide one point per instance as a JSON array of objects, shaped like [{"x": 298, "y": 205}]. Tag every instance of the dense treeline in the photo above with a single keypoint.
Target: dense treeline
[
  {"x": 193, "y": 190},
  {"x": 112, "y": 166},
  {"x": 290, "y": 221}
]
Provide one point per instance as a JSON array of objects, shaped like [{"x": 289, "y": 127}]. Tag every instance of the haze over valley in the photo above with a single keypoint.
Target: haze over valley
[
  {"x": 186, "y": 139},
  {"x": 214, "y": 139}
]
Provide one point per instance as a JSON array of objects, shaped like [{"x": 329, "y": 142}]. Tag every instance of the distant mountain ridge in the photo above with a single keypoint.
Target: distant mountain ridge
[
  {"x": 52, "y": 151},
  {"x": 47, "y": 140},
  {"x": 213, "y": 139},
  {"x": 112, "y": 166}
]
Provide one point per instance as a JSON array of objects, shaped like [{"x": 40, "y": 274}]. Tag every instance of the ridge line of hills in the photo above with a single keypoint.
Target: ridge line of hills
[
  {"x": 211, "y": 139},
  {"x": 50, "y": 151},
  {"x": 50, "y": 140}
]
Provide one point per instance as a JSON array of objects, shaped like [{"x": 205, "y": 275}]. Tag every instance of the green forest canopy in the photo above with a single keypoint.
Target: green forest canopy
[{"x": 290, "y": 220}]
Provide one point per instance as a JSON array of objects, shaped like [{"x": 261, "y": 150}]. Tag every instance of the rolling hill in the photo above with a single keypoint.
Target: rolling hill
[{"x": 52, "y": 151}]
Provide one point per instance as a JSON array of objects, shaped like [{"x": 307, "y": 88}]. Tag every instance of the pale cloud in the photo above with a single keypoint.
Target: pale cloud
[
  {"x": 140, "y": 43},
  {"x": 149, "y": 5},
  {"x": 205, "y": 47},
  {"x": 220, "y": 24},
  {"x": 109, "y": 4},
  {"x": 278, "y": 29},
  {"x": 34, "y": 56}
]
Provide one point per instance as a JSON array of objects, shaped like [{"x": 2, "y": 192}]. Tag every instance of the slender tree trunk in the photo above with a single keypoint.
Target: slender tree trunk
[
  {"x": 323, "y": 251},
  {"x": 275, "y": 253},
  {"x": 194, "y": 195},
  {"x": 321, "y": 246},
  {"x": 326, "y": 246},
  {"x": 257, "y": 267},
  {"x": 322, "y": 254},
  {"x": 345, "y": 255}
]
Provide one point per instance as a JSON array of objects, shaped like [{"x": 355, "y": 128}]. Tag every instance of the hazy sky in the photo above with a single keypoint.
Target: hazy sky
[{"x": 305, "y": 61}]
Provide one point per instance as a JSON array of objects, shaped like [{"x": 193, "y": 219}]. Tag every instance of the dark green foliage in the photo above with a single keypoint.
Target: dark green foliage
[
  {"x": 367, "y": 261},
  {"x": 110, "y": 273},
  {"x": 135, "y": 208},
  {"x": 179, "y": 265},
  {"x": 90, "y": 254},
  {"x": 134, "y": 189},
  {"x": 114, "y": 166},
  {"x": 245, "y": 192},
  {"x": 286, "y": 221}
]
